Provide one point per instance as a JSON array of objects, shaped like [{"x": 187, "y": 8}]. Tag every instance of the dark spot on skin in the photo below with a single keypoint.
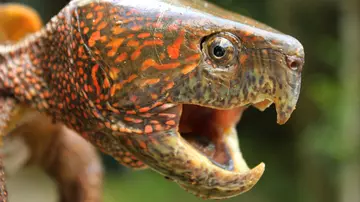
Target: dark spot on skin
[
  {"x": 289, "y": 108},
  {"x": 272, "y": 79},
  {"x": 177, "y": 92},
  {"x": 253, "y": 80},
  {"x": 245, "y": 92},
  {"x": 261, "y": 80}
]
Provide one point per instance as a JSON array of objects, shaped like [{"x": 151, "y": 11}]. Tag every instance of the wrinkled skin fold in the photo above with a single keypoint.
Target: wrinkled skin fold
[{"x": 159, "y": 84}]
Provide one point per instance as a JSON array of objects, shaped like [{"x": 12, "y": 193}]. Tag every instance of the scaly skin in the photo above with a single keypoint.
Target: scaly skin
[
  {"x": 42, "y": 143},
  {"x": 121, "y": 72}
]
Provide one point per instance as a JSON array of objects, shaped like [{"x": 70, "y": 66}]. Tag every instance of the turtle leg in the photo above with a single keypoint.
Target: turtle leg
[
  {"x": 3, "y": 191},
  {"x": 71, "y": 161},
  {"x": 7, "y": 109}
]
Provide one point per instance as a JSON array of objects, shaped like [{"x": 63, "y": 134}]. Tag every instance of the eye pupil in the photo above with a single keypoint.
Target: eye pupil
[{"x": 219, "y": 51}]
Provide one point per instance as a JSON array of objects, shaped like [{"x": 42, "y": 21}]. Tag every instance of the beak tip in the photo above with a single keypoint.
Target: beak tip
[{"x": 258, "y": 171}]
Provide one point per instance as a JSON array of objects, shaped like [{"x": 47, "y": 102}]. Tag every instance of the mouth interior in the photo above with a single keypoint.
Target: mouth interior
[{"x": 204, "y": 129}]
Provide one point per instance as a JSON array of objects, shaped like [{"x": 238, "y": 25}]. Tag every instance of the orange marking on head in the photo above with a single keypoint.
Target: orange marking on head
[
  {"x": 118, "y": 86},
  {"x": 174, "y": 49},
  {"x": 132, "y": 112},
  {"x": 111, "y": 52},
  {"x": 150, "y": 82},
  {"x": 116, "y": 43},
  {"x": 193, "y": 58},
  {"x": 137, "y": 53},
  {"x": 106, "y": 83},
  {"x": 154, "y": 122},
  {"x": 167, "y": 66},
  {"x": 117, "y": 30},
  {"x": 142, "y": 145},
  {"x": 148, "y": 129},
  {"x": 162, "y": 56},
  {"x": 98, "y": 7},
  {"x": 114, "y": 88},
  {"x": 94, "y": 70},
  {"x": 173, "y": 27},
  {"x": 111, "y": 108},
  {"x": 144, "y": 35},
  {"x": 99, "y": 18},
  {"x": 114, "y": 73},
  {"x": 193, "y": 46},
  {"x": 247, "y": 33},
  {"x": 114, "y": 10},
  {"x": 151, "y": 63},
  {"x": 153, "y": 42},
  {"x": 133, "y": 43},
  {"x": 81, "y": 71},
  {"x": 167, "y": 115},
  {"x": 102, "y": 25},
  {"x": 130, "y": 36},
  {"x": 188, "y": 68},
  {"x": 159, "y": 35},
  {"x": 86, "y": 30},
  {"x": 89, "y": 16},
  {"x": 80, "y": 63},
  {"x": 137, "y": 131},
  {"x": 103, "y": 39},
  {"x": 154, "y": 96},
  {"x": 129, "y": 119},
  {"x": 73, "y": 96},
  {"x": 144, "y": 109},
  {"x": 156, "y": 104},
  {"x": 158, "y": 127},
  {"x": 158, "y": 24},
  {"x": 147, "y": 63},
  {"x": 107, "y": 124},
  {"x": 134, "y": 98},
  {"x": 136, "y": 28},
  {"x": 122, "y": 57},
  {"x": 243, "y": 58},
  {"x": 132, "y": 77},
  {"x": 170, "y": 123},
  {"x": 168, "y": 86},
  {"x": 93, "y": 38}
]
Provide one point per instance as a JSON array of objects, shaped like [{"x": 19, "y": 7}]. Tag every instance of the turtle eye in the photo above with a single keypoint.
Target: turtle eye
[{"x": 221, "y": 50}]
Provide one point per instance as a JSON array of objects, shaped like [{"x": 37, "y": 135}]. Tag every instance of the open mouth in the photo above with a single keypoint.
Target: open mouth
[{"x": 212, "y": 132}]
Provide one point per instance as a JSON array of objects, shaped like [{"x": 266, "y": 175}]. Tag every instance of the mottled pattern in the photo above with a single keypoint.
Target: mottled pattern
[
  {"x": 32, "y": 139},
  {"x": 118, "y": 72}
]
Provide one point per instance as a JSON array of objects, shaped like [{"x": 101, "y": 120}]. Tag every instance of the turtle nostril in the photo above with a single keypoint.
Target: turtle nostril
[{"x": 295, "y": 63}]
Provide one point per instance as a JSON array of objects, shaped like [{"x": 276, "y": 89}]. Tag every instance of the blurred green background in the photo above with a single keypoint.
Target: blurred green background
[{"x": 316, "y": 155}]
